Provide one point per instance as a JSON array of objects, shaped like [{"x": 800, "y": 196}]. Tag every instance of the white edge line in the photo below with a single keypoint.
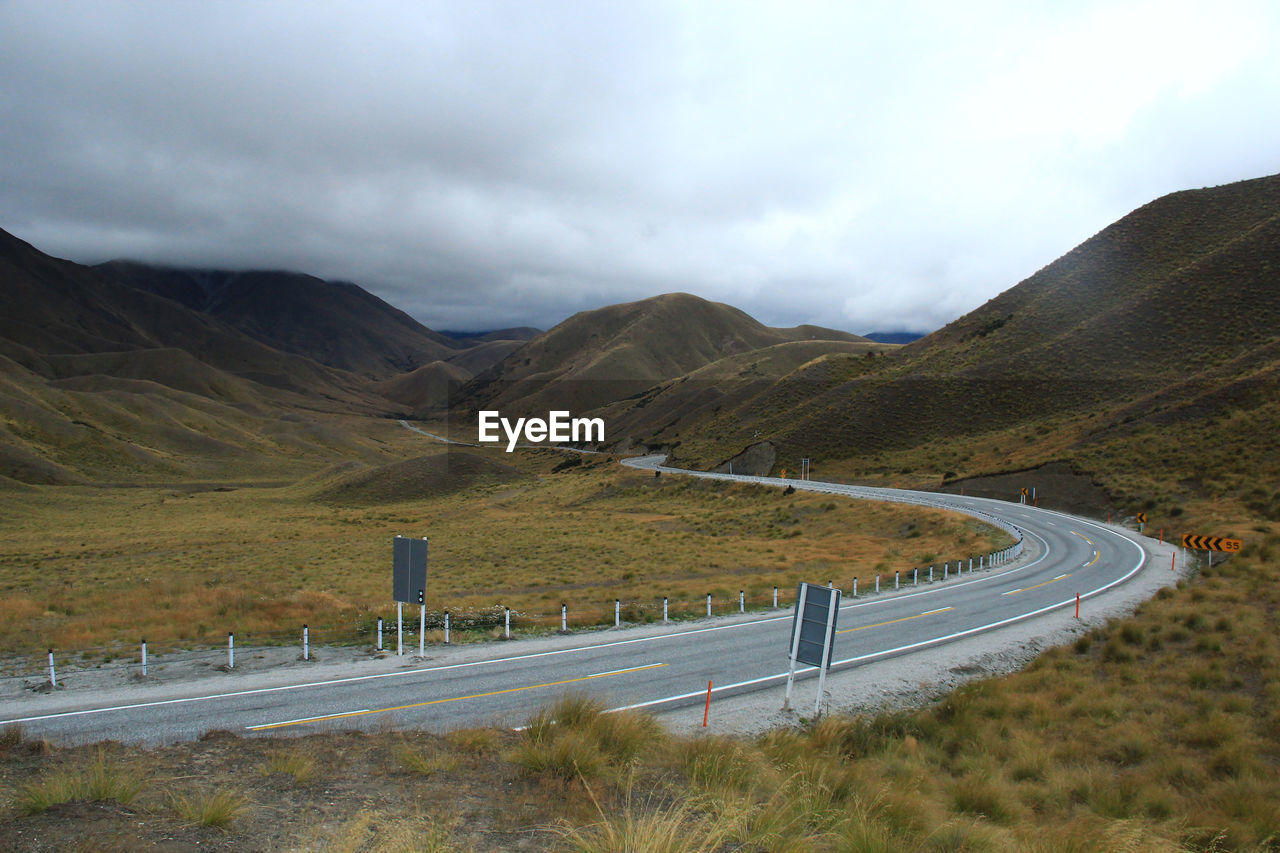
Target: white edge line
[
  {"x": 941, "y": 588},
  {"x": 1142, "y": 561},
  {"x": 674, "y": 635}
]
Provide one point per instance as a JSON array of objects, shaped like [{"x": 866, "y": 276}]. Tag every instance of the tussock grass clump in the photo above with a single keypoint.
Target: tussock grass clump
[
  {"x": 573, "y": 738},
  {"x": 723, "y": 765},
  {"x": 104, "y": 779},
  {"x": 425, "y": 762},
  {"x": 374, "y": 831},
  {"x": 681, "y": 827},
  {"x": 213, "y": 808},
  {"x": 297, "y": 761},
  {"x": 476, "y": 740}
]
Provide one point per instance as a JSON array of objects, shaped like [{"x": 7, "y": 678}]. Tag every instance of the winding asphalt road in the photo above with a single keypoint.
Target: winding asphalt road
[{"x": 1061, "y": 556}]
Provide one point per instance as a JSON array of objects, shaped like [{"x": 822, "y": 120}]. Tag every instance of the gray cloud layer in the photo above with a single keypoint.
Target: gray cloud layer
[{"x": 486, "y": 164}]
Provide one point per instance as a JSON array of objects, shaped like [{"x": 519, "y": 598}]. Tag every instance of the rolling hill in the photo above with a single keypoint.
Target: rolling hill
[
  {"x": 338, "y": 324},
  {"x": 597, "y": 357},
  {"x": 103, "y": 381},
  {"x": 1121, "y": 353}
]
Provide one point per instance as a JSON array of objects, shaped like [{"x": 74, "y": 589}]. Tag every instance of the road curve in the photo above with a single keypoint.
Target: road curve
[{"x": 1062, "y": 556}]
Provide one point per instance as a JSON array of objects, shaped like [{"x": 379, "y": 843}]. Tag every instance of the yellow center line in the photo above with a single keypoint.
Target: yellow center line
[
  {"x": 892, "y": 621},
  {"x": 265, "y": 726},
  {"x": 1082, "y": 536},
  {"x": 1096, "y": 557},
  {"x": 1037, "y": 586}
]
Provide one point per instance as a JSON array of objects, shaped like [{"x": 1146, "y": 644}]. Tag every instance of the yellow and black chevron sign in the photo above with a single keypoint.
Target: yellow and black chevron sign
[
  {"x": 1142, "y": 518},
  {"x": 1210, "y": 543}
]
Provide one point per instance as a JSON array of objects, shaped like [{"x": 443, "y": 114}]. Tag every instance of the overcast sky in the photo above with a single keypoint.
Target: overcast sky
[{"x": 866, "y": 166}]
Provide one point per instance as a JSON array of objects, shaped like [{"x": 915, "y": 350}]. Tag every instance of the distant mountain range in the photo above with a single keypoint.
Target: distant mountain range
[{"x": 1122, "y": 354}]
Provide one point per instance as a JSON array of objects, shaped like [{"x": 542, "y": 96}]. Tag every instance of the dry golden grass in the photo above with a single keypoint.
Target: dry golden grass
[{"x": 88, "y": 567}]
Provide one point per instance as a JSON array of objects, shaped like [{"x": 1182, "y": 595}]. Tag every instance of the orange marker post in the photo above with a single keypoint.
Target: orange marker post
[
  {"x": 1077, "y": 605},
  {"x": 706, "y": 712}
]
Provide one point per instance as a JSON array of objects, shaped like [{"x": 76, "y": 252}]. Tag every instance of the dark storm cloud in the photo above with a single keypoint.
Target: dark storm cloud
[{"x": 489, "y": 164}]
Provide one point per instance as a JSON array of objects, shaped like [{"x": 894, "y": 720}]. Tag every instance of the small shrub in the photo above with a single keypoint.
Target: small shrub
[
  {"x": 982, "y": 797},
  {"x": 571, "y": 755},
  {"x": 424, "y": 763},
  {"x": 1115, "y": 652},
  {"x": 104, "y": 779},
  {"x": 475, "y": 740},
  {"x": 298, "y": 762},
  {"x": 217, "y": 809},
  {"x": 1131, "y": 634},
  {"x": 681, "y": 827}
]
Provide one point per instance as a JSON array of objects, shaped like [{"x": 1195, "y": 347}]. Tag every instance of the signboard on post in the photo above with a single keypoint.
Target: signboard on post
[
  {"x": 409, "y": 570},
  {"x": 1211, "y": 543},
  {"x": 813, "y": 634}
]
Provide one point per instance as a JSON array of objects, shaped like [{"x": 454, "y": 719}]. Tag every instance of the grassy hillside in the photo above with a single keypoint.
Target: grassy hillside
[
  {"x": 100, "y": 381},
  {"x": 338, "y": 324},
  {"x": 1147, "y": 357},
  {"x": 601, "y": 356}
]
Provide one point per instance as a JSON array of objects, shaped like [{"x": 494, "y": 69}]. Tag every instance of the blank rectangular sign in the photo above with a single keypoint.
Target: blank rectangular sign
[
  {"x": 409, "y": 570},
  {"x": 815, "y": 634}
]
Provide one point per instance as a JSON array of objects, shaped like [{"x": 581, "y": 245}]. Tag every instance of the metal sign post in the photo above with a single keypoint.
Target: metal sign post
[
  {"x": 813, "y": 633},
  {"x": 795, "y": 644},
  {"x": 409, "y": 585}
]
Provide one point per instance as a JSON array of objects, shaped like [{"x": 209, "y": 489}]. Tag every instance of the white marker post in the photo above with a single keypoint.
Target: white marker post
[
  {"x": 379, "y": 633},
  {"x": 306, "y": 643},
  {"x": 144, "y": 657},
  {"x": 53, "y": 674},
  {"x": 400, "y": 629},
  {"x": 446, "y": 627},
  {"x": 422, "y": 630},
  {"x": 708, "y": 604},
  {"x": 617, "y": 612},
  {"x": 775, "y": 598},
  {"x": 507, "y": 622},
  {"x": 231, "y": 650},
  {"x": 742, "y": 601},
  {"x": 664, "y": 608},
  {"x": 564, "y": 618}
]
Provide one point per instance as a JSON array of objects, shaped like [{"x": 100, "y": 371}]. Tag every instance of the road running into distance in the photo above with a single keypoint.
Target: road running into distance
[{"x": 1062, "y": 556}]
